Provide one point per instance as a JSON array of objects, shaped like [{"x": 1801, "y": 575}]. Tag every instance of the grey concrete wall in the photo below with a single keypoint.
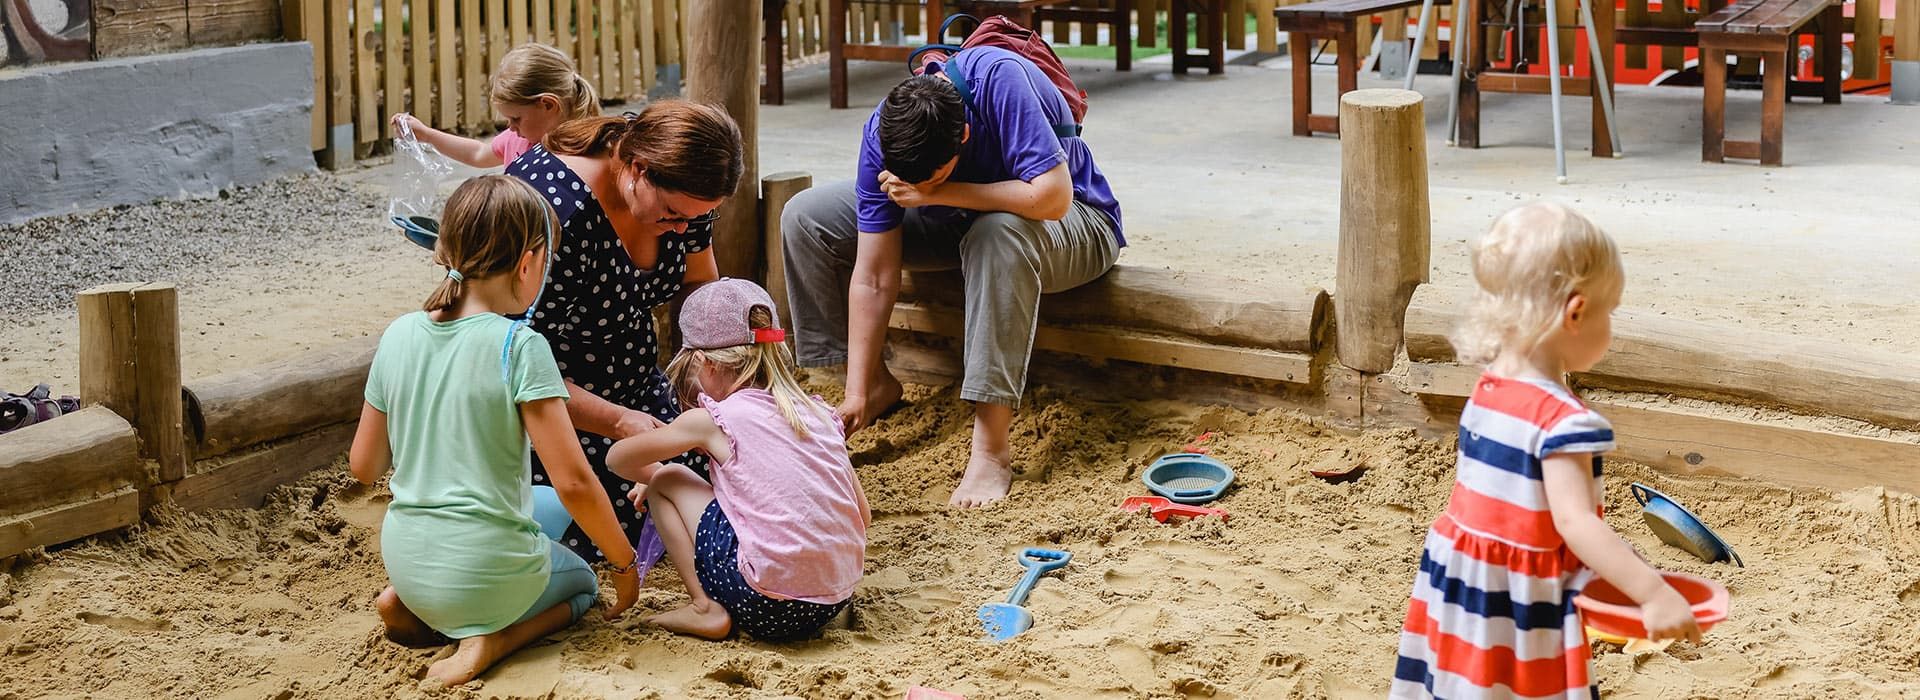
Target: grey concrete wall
[{"x": 85, "y": 136}]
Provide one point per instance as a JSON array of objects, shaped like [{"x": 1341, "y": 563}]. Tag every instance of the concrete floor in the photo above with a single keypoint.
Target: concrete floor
[{"x": 1210, "y": 178}]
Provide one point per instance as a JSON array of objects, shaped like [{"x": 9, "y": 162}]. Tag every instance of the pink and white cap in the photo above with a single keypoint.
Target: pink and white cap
[{"x": 715, "y": 315}]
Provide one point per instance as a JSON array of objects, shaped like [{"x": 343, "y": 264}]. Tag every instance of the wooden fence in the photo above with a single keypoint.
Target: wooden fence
[{"x": 434, "y": 58}]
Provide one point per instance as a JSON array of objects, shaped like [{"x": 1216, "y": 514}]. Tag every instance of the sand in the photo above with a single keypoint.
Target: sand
[{"x": 1300, "y": 594}]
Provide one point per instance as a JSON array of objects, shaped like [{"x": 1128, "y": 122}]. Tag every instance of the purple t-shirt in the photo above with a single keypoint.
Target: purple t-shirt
[{"x": 1011, "y": 115}]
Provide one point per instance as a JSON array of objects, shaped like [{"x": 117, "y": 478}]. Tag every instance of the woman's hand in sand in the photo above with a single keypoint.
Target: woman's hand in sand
[
  {"x": 1668, "y": 616},
  {"x": 633, "y": 423},
  {"x": 626, "y": 588}
]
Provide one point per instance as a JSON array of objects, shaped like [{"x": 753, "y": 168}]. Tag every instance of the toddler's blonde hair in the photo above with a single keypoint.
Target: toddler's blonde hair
[
  {"x": 767, "y": 365},
  {"x": 1533, "y": 260},
  {"x": 532, "y": 70}
]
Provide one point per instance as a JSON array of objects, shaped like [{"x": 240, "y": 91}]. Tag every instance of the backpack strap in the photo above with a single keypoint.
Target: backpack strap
[{"x": 1068, "y": 130}]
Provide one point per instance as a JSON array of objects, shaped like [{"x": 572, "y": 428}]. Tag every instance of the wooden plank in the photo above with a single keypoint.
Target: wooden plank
[
  {"x": 339, "y": 74},
  {"x": 1188, "y": 304},
  {"x": 80, "y": 455},
  {"x": 563, "y": 31},
  {"x": 1866, "y": 40},
  {"x": 245, "y": 481},
  {"x": 1656, "y": 354},
  {"x": 644, "y": 33},
  {"x": 1705, "y": 446},
  {"x": 1147, "y": 22},
  {"x": 159, "y": 416},
  {"x": 543, "y": 21},
  {"x": 632, "y": 79},
  {"x": 393, "y": 63},
  {"x": 518, "y": 21},
  {"x": 223, "y": 22},
  {"x": 474, "y": 110},
  {"x": 1265, "y": 27},
  {"x": 792, "y": 27},
  {"x": 663, "y": 28},
  {"x": 1636, "y": 17},
  {"x": 248, "y": 407},
  {"x": 1906, "y": 31},
  {"x": 1673, "y": 15},
  {"x": 496, "y": 18},
  {"x": 366, "y": 73},
  {"x": 585, "y": 19},
  {"x": 1393, "y": 26},
  {"x": 66, "y": 523},
  {"x": 107, "y": 371},
  {"x": 1130, "y": 346},
  {"x": 610, "y": 65},
  {"x": 1570, "y": 49},
  {"x": 1235, "y": 24},
  {"x": 446, "y": 63},
  {"x": 301, "y": 20},
  {"x": 1532, "y": 84},
  {"x": 138, "y": 27}
]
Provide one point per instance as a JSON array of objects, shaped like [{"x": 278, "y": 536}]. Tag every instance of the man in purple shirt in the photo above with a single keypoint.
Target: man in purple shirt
[{"x": 975, "y": 166}]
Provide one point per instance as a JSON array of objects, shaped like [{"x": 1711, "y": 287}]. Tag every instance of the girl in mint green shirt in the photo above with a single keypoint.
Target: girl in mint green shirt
[{"x": 455, "y": 393}]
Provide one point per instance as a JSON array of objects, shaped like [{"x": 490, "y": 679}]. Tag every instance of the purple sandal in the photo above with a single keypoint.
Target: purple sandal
[{"x": 21, "y": 410}]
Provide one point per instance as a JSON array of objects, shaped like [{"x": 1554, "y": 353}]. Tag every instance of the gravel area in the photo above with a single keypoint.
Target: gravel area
[{"x": 275, "y": 223}]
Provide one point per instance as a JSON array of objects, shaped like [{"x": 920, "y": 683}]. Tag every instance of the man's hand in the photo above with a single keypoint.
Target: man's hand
[{"x": 907, "y": 194}]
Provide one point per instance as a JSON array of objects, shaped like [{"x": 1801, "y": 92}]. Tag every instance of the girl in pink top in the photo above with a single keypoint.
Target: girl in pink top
[
  {"x": 776, "y": 544},
  {"x": 535, "y": 88}
]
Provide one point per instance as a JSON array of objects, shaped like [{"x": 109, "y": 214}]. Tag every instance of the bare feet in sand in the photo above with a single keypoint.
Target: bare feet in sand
[
  {"x": 473, "y": 657},
  {"x": 701, "y": 618},
  {"x": 403, "y": 627},
  {"x": 990, "y": 468}
]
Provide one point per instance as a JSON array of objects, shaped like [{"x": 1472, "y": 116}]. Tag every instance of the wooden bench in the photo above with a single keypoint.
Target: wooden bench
[
  {"x": 1308, "y": 23},
  {"x": 840, "y": 51},
  {"x": 1766, "y": 28}
]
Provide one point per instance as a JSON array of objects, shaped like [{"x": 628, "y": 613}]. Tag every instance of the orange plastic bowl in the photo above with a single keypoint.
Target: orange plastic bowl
[{"x": 1608, "y": 610}]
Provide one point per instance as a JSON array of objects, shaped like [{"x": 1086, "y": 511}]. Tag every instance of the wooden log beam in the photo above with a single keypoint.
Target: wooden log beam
[
  {"x": 1384, "y": 222},
  {"x": 245, "y": 481},
  {"x": 1194, "y": 305},
  {"x": 159, "y": 417},
  {"x": 1700, "y": 360},
  {"x": 279, "y": 400},
  {"x": 68, "y": 522},
  {"x": 775, "y": 191},
  {"x": 723, "y": 68},
  {"x": 1126, "y": 345},
  {"x": 75, "y": 457}
]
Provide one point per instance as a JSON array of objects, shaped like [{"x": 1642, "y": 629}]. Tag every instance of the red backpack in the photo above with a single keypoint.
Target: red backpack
[{"x": 1003, "y": 33}]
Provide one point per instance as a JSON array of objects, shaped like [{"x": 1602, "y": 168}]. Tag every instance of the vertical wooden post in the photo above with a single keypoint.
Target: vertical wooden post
[
  {"x": 106, "y": 349},
  {"x": 1384, "y": 222},
  {"x": 366, "y": 74},
  {"x": 722, "y": 63},
  {"x": 160, "y": 414},
  {"x": 446, "y": 66},
  {"x": 775, "y": 190},
  {"x": 340, "y": 87},
  {"x": 393, "y": 69},
  {"x": 301, "y": 18}
]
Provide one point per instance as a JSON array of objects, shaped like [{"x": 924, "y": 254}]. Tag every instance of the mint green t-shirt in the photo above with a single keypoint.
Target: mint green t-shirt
[{"x": 459, "y": 541}]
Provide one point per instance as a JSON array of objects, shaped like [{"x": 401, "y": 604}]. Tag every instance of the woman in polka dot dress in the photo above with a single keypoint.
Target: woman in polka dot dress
[{"x": 635, "y": 195}]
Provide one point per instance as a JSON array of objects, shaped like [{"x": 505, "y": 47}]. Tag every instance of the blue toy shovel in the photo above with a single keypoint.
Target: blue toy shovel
[
  {"x": 1004, "y": 621},
  {"x": 1679, "y": 527}
]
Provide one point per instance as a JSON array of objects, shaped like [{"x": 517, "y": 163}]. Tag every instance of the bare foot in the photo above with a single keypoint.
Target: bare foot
[
  {"x": 884, "y": 395},
  {"x": 403, "y": 627},
  {"x": 989, "y": 476},
  {"x": 701, "y": 618},
  {"x": 473, "y": 657}
]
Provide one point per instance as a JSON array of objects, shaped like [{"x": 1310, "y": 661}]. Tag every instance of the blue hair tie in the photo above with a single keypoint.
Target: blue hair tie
[{"x": 454, "y": 275}]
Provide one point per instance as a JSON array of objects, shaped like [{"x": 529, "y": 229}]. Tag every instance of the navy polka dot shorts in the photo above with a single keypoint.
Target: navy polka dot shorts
[{"x": 716, "y": 551}]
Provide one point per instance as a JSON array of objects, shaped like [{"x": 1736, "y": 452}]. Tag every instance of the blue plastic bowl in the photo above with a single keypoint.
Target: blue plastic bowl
[
  {"x": 1188, "y": 478},
  {"x": 424, "y": 231},
  {"x": 1679, "y": 527}
]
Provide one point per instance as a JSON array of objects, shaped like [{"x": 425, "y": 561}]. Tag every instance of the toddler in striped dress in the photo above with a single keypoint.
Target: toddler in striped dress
[{"x": 1492, "y": 612}]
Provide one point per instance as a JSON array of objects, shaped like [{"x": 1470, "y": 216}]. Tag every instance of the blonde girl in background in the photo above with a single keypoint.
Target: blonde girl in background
[
  {"x": 536, "y": 88},
  {"x": 455, "y": 394},
  {"x": 775, "y": 546},
  {"x": 1492, "y": 612}
]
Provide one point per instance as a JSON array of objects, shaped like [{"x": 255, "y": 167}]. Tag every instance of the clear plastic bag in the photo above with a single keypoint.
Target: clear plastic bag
[{"x": 416, "y": 188}]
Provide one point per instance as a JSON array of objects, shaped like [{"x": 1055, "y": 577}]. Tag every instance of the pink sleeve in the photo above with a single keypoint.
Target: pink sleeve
[{"x": 509, "y": 145}]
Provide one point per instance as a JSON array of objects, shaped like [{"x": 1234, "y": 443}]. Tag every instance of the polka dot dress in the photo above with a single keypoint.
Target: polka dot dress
[
  {"x": 716, "y": 554},
  {"x": 597, "y": 314}
]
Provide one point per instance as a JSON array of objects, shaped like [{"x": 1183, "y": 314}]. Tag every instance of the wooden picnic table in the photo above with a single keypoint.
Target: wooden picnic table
[
  {"x": 1481, "y": 76},
  {"x": 840, "y": 51}
]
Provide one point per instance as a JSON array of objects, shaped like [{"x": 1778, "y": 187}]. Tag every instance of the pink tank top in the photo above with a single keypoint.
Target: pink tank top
[
  {"x": 795, "y": 503},
  {"x": 509, "y": 145}
]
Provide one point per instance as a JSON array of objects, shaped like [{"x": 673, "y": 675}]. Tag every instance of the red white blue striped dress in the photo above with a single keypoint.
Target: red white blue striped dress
[{"x": 1492, "y": 613}]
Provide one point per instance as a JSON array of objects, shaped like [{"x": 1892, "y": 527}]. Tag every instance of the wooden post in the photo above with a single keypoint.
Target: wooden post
[
  {"x": 1384, "y": 222},
  {"x": 722, "y": 63},
  {"x": 106, "y": 349},
  {"x": 775, "y": 190},
  {"x": 159, "y": 416}
]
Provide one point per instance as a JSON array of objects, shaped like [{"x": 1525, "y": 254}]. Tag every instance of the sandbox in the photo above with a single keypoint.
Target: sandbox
[{"x": 1300, "y": 594}]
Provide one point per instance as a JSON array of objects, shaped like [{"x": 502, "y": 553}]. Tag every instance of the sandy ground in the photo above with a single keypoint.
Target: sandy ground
[{"x": 1300, "y": 594}]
